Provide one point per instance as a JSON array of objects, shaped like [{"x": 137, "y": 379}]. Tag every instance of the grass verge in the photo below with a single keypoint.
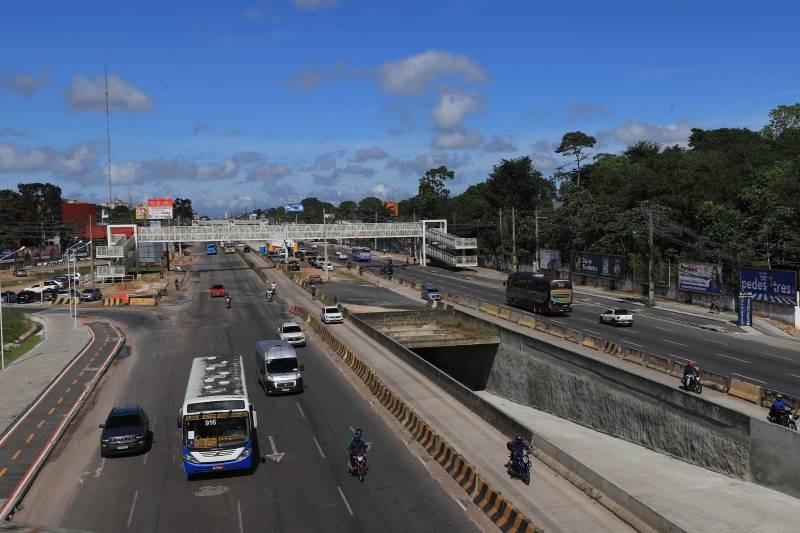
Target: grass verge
[
  {"x": 24, "y": 347},
  {"x": 14, "y": 324}
]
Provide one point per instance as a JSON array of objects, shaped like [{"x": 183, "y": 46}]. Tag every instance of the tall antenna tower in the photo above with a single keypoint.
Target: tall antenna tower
[{"x": 108, "y": 137}]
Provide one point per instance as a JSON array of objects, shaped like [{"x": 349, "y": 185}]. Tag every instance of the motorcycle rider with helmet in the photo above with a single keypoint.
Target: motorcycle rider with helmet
[
  {"x": 517, "y": 449},
  {"x": 776, "y": 409},
  {"x": 689, "y": 370},
  {"x": 355, "y": 446}
]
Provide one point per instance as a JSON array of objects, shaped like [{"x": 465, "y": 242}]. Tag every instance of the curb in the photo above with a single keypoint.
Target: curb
[
  {"x": 498, "y": 508},
  {"x": 8, "y": 507}
]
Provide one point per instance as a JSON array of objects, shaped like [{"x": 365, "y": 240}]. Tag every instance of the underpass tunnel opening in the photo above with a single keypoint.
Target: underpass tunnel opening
[{"x": 469, "y": 364}]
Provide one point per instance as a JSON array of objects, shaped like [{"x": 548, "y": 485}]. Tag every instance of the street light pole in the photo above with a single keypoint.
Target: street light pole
[
  {"x": 2, "y": 341},
  {"x": 73, "y": 305}
]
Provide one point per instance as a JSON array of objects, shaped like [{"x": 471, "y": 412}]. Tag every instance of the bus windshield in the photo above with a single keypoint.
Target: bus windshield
[
  {"x": 216, "y": 430},
  {"x": 560, "y": 284}
]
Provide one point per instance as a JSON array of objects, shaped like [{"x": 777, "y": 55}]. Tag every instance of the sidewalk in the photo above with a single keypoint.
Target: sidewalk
[{"x": 28, "y": 376}]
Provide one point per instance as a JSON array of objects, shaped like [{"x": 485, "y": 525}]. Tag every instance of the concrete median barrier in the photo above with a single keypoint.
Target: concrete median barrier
[
  {"x": 144, "y": 300},
  {"x": 656, "y": 362},
  {"x": 573, "y": 335},
  {"x": 611, "y": 348},
  {"x": 714, "y": 381},
  {"x": 111, "y": 302},
  {"x": 527, "y": 322},
  {"x": 633, "y": 356},
  {"x": 676, "y": 369},
  {"x": 593, "y": 342},
  {"x": 504, "y": 313},
  {"x": 541, "y": 326},
  {"x": 489, "y": 309},
  {"x": 745, "y": 390}
]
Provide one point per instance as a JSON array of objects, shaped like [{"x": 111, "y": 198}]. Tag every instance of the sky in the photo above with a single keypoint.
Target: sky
[{"x": 257, "y": 103}]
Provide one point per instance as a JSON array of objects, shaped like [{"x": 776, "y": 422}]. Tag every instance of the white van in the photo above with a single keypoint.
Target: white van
[{"x": 278, "y": 368}]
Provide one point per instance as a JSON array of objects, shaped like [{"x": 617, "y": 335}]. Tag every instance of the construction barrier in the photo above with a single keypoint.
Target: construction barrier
[
  {"x": 714, "y": 381},
  {"x": 611, "y": 348},
  {"x": 500, "y": 510},
  {"x": 541, "y": 326},
  {"x": 746, "y": 391},
  {"x": 527, "y": 321},
  {"x": 64, "y": 300},
  {"x": 110, "y": 302},
  {"x": 148, "y": 300},
  {"x": 489, "y": 309},
  {"x": 504, "y": 313},
  {"x": 123, "y": 297}
]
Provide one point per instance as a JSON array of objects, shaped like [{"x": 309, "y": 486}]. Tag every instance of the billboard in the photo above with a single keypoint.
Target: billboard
[
  {"x": 771, "y": 286},
  {"x": 549, "y": 259},
  {"x": 141, "y": 212},
  {"x": 609, "y": 266},
  {"x": 293, "y": 208},
  {"x": 159, "y": 208},
  {"x": 700, "y": 277},
  {"x": 392, "y": 207}
]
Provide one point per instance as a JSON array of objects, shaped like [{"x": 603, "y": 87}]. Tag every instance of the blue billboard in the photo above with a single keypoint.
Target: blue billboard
[
  {"x": 771, "y": 286},
  {"x": 293, "y": 208}
]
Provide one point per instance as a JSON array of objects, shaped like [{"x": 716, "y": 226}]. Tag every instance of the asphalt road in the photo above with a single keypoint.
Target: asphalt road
[
  {"x": 657, "y": 331},
  {"x": 308, "y": 490}
]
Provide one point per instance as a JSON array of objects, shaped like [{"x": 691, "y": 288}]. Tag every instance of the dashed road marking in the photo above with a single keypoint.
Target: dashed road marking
[
  {"x": 718, "y": 342},
  {"x": 300, "y": 409},
  {"x": 30, "y": 438},
  {"x": 677, "y": 356},
  {"x": 50, "y": 411},
  {"x": 794, "y": 375},
  {"x": 673, "y": 342},
  {"x": 75, "y": 382},
  {"x": 665, "y": 329},
  {"x": 39, "y": 425},
  {"x": 16, "y": 454},
  {"x": 748, "y": 377},
  {"x": 632, "y": 343},
  {"x": 61, "y": 399},
  {"x": 423, "y": 462},
  {"x": 3, "y": 471},
  {"x": 344, "y": 499},
  {"x": 779, "y": 356},
  {"x": 319, "y": 447},
  {"x": 133, "y": 508},
  {"x": 734, "y": 358},
  {"x": 239, "y": 513},
  {"x": 67, "y": 390},
  {"x": 595, "y": 332},
  {"x": 464, "y": 507}
]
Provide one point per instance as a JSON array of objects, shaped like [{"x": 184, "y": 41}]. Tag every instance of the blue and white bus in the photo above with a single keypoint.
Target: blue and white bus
[
  {"x": 211, "y": 249},
  {"x": 361, "y": 254},
  {"x": 217, "y": 420}
]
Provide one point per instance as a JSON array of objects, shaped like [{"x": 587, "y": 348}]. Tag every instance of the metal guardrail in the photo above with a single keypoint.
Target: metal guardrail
[{"x": 452, "y": 242}]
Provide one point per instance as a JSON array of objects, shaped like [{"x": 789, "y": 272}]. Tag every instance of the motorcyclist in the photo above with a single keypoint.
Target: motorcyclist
[
  {"x": 517, "y": 449},
  {"x": 355, "y": 446},
  {"x": 228, "y": 300},
  {"x": 777, "y": 407},
  {"x": 689, "y": 370},
  {"x": 176, "y": 284},
  {"x": 273, "y": 286}
]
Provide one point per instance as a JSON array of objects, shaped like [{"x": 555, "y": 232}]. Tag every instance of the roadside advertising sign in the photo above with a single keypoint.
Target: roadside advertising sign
[
  {"x": 772, "y": 286},
  {"x": 141, "y": 212},
  {"x": 700, "y": 277},
  {"x": 610, "y": 266},
  {"x": 159, "y": 208},
  {"x": 293, "y": 208},
  {"x": 549, "y": 259}
]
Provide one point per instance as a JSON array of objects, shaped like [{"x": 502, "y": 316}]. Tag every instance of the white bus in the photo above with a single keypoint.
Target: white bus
[{"x": 217, "y": 420}]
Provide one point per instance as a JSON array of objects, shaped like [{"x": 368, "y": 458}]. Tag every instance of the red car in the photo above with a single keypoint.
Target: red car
[{"x": 217, "y": 290}]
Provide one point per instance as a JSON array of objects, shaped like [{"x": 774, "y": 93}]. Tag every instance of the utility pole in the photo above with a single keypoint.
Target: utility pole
[
  {"x": 536, "y": 233},
  {"x": 500, "y": 226},
  {"x": 108, "y": 138},
  {"x": 651, "y": 298},
  {"x": 376, "y": 237},
  {"x": 91, "y": 250},
  {"x": 325, "y": 244},
  {"x": 513, "y": 240}
]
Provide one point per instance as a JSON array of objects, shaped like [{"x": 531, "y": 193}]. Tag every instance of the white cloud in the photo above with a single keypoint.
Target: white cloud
[
  {"x": 423, "y": 162},
  {"x": 500, "y": 144},
  {"x": 315, "y": 5},
  {"x": 216, "y": 171},
  {"x": 335, "y": 174},
  {"x": 200, "y": 128},
  {"x": 368, "y": 154},
  {"x": 632, "y": 132},
  {"x": 269, "y": 172},
  {"x": 453, "y": 140},
  {"x": 89, "y": 95},
  {"x": 322, "y": 163},
  {"x": 453, "y": 106},
  {"x": 413, "y": 73},
  {"x": 25, "y": 84},
  {"x": 80, "y": 158},
  {"x": 577, "y": 111},
  {"x": 382, "y": 190},
  {"x": 543, "y": 156}
]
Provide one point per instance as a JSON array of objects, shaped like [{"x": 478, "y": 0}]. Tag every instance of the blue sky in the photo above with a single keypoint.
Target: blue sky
[{"x": 238, "y": 104}]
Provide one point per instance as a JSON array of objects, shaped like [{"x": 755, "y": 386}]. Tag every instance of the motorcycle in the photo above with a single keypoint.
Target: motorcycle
[
  {"x": 360, "y": 468},
  {"x": 520, "y": 467},
  {"x": 785, "y": 418},
  {"x": 270, "y": 295},
  {"x": 228, "y": 302},
  {"x": 692, "y": 384}
]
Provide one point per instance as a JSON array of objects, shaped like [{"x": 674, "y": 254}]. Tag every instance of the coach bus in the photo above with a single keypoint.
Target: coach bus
[
  {"x": 217, "y": 420},
  {"x": 539, "y": 293},
  {"x": 211, "y": 249},
  {"x": 361, "y": 254}
]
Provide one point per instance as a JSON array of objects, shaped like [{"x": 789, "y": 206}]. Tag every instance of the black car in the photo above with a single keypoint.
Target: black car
[
  {"x": 8, "y": 297},
  {"x": 26, "y": 297},
  {"x": 127, "y": 430}
]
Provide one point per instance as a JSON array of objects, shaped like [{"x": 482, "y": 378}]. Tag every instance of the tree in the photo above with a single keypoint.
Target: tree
[
  {"x": 122, "y": 214},
  {"x": 515, "y": 183},
  {"x": 182, "y": 209},
  {"x": 347, "y": 210},
  {"x": 573, "y": 144},
  {"x": 40, "y": 204},
  {"x": 432, "y": 190},
  {"x": 781, "y": 119},
  {"x": 9, "y": 221},
  {"x": 371, "y": 206}
]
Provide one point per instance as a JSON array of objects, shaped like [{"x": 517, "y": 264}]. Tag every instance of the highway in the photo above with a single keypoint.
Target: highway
[
  {"x": 307, "y": 490},
  {"x": 657, "y": 331}
]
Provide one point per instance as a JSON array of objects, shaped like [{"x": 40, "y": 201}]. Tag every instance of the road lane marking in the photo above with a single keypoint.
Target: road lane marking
[
  {"x": 75, "y": 382},
  {"x": 423, "y": 462},
  {"x": 133, "y": 508},
  {"x": 779, "y": 356},
  {"x": 239, "y": 513},
  {"x": 677, "y": 356},
  {"x": 558, "y": 322},
  {"x": 794, "y": 375},
  {"x": 99, "y": 469},
  {"x": 665, "y": 329},
  {"x": 464, "y": 507},
  {"x": 300, "y": 409},
  {"x": 718, "y": 342},
  {"x": 595, "y": 332},
  {"x": 319, "y": 447},
  {"x": 67, "y": 390},
  {"x": 16, "y": 454},
  {"x": 61, "y": 399},
  {"x": 50, "y": 411},
  {"x": 30, "y": 438},
  {"x": 39, "y": 425},
  {"x": 587, "y": 320},
  {"x": 352, "y": 430},
  {"x": 748, "y": 377},
  {"x": 633, "y": 343},
  {"x": 344, "y": 499},
  {"x": 3, "y": 471},
  {"x": 678, "y": 343},
  {"x": 734, "y": 358},
  {"x": 81, "y": 374}
]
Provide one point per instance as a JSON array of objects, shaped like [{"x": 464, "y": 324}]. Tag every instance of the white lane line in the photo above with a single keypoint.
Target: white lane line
[
  {"x": 99, "y": 469},
  {"x": 665, "y": 329},
  {"x": 464, "y": 507},
  {"x": 239, "y": 512},
  {"x": 300, "y": 409},
  {"x": 133, "y": 508},
  {"x": 144, "y": 459},
  {"x": 558, "y": 322},
  {"x": 779, "y": 356},
  {"x": 794, "y": 375},
  {"x": 678, "y": 343},
  {"x": 319, "y": 447},
  {"x": 748, "y": 377},
  {"x": 677, "y": 356},
  {"x": 421, "y": 461},
  {"x": 633, "y": 343},
  {"x": 595, "y": 332},
  {"x": 734, "y": 358},
  {"x": 344, "y": 499}
]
